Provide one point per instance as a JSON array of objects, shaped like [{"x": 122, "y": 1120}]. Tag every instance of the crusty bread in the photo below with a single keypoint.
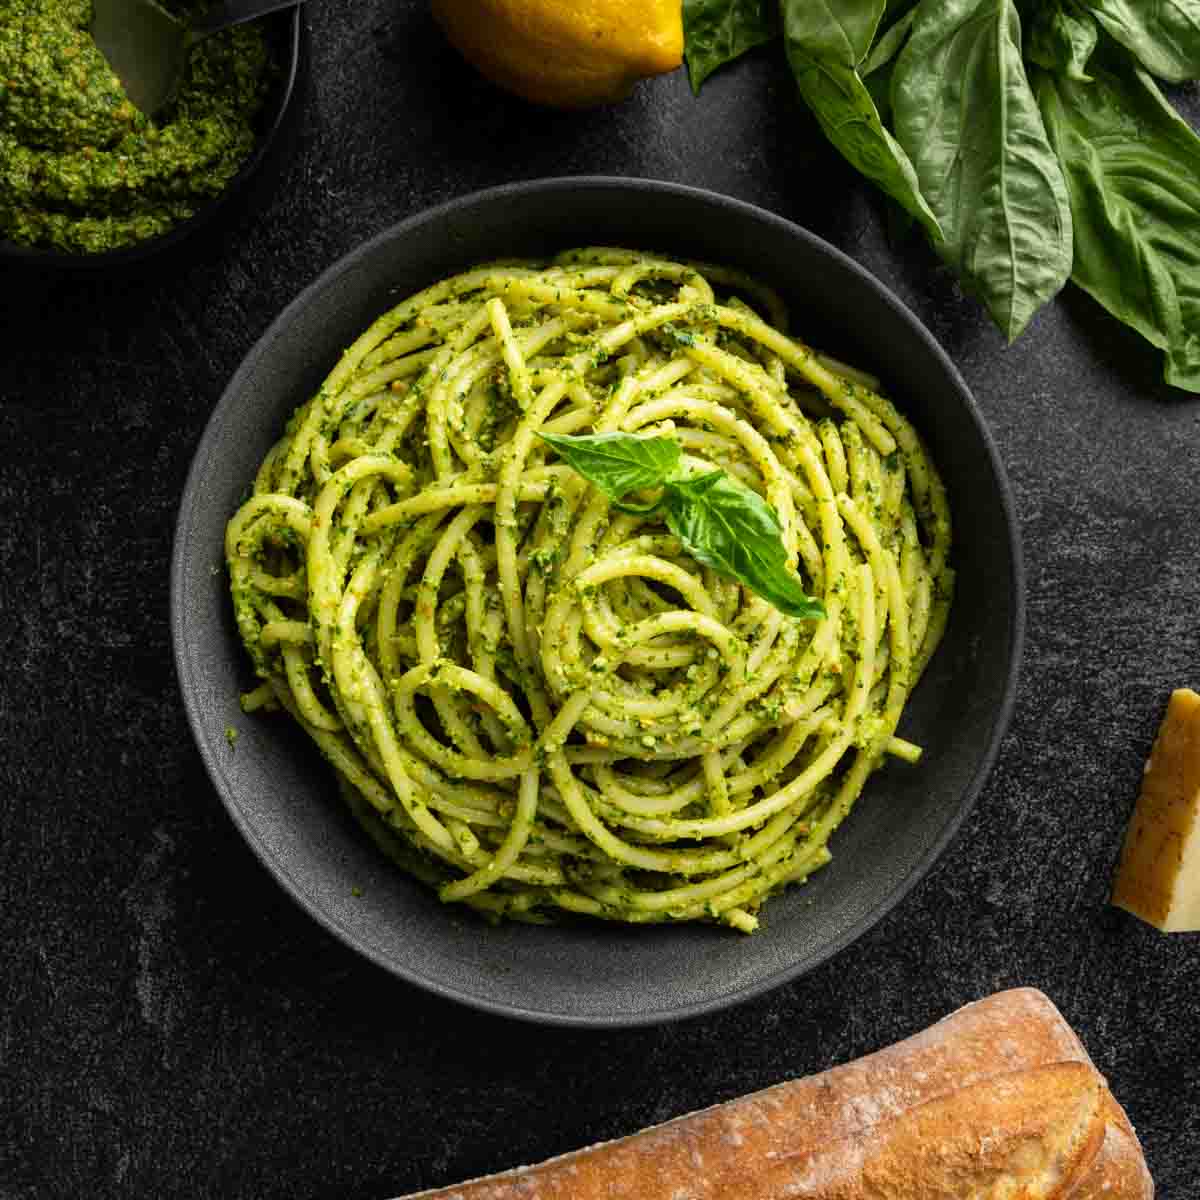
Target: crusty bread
[
  {"x": 1120, "y": 1168},
  {"x": 998, "y": 1101}
]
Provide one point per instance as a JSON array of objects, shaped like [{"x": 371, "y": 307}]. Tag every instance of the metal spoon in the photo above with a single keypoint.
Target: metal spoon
[{"x": 148, "y": 48}]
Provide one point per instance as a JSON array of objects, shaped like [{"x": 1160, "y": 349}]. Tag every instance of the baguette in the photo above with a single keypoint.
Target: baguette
[{"x": 997, "y": 1101}]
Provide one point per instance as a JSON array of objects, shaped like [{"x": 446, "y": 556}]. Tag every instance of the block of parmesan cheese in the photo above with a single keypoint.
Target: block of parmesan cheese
[{"x": 1158, "y": 878}]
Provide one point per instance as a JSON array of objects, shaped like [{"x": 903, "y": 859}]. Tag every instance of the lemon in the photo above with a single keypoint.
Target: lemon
[{"x": 566, "y": 53}]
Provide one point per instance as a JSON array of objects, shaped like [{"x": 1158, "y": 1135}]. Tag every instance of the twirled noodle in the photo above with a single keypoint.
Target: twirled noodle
[{"x": 536, "y": 702}]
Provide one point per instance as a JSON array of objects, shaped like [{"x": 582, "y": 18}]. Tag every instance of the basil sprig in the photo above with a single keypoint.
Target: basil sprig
[
  {"x": 720, "y": 523},
  {"x": 1028, "y": 138}
]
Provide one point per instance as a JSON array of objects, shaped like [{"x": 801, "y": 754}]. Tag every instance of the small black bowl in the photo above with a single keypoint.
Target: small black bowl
[
  {"x": 282, "y": 795},
  {"x": 277, "y": 125}
]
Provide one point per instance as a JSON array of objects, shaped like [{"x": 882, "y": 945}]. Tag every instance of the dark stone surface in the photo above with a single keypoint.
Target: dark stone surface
[{"x": 173, "y": 1026}]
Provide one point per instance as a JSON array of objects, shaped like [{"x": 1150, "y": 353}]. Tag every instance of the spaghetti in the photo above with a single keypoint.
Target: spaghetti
[{"x": 536, "y": 701}]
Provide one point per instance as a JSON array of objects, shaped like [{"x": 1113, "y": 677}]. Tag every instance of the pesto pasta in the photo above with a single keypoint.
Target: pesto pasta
[{"x": 533, "y": 697}]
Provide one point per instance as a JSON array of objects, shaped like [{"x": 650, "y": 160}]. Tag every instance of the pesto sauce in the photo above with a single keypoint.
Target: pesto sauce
[{"x": 83, "y": 170}]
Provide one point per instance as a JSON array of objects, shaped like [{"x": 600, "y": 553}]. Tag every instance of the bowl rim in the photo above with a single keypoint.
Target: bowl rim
[
  {"x": 17, "y": 255},
  {"x": 1001, "y": 719}
]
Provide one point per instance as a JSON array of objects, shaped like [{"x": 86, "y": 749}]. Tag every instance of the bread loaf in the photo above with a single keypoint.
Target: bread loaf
[{"x": 998, "y": 1101}]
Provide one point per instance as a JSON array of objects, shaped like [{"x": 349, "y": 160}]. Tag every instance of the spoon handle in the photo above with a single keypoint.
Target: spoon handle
[{"x": 234, "y": 12}]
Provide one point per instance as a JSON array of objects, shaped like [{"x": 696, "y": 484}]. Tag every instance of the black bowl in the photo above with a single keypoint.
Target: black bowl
[
  {"x": 277, "y": 125},
  {"x": 281, "y": 794}
]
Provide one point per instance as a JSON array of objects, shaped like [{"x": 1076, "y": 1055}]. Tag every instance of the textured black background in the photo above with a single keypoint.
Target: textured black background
[{"x": 171, "y": 1025}]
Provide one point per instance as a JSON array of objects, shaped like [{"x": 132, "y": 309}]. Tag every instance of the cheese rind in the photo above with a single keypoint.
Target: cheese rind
[{"x": 1158, "y": 878}]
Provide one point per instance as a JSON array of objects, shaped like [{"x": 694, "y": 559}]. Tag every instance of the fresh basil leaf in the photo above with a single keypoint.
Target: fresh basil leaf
[
  {"x": 1062, "y": 38},
  {"x": 1133, "y": 170},
  {"x": 1163, "y": 36},
  {"x": 887, "y": 46},
  {"x": 880, "y": 64},
  {"x": 839, "y": 30},
  {"x": 617, "y": 463},
  {"x": 715, "y": 32},
  {"x": 734, "y": 531},
  {"x": 824, "y": 60},
  {"x": 964, "y": 111},
  {"x": 876, "y": 73}
]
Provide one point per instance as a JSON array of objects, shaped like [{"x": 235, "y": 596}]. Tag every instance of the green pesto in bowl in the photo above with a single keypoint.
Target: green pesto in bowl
[{"x": 81, "y": 169}]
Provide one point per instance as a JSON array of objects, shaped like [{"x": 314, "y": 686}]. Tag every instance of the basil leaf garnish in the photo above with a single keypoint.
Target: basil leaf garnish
[
  {"x": 733, "y": 530},
  {"x": 720, "y": 522},
  {"x": 617, "y": 463}
]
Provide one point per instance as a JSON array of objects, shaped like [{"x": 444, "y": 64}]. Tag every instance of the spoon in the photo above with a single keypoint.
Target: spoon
[{"x": 148, "y": 48}]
